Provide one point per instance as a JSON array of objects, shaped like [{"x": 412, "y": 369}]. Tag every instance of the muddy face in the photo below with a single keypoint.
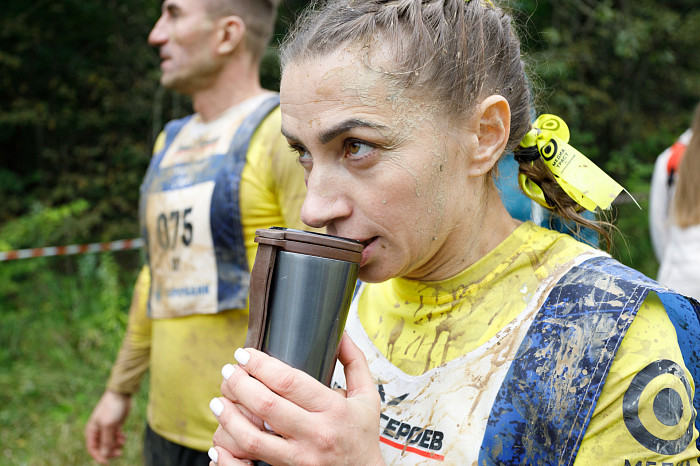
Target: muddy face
[{"x": 383, "y": 166}]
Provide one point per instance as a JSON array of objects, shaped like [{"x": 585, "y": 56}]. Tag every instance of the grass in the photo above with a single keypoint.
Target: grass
[{"x": 62, "y": 323}]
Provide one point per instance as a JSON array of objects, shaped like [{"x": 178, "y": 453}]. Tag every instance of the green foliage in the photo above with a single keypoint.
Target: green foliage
[
  {"x": 61, "y": 329},
  {"x": 77, "y": 99},
  {"x": 43, "y": 226},
  {"x": 624, "y": 75},
  {"x": 62, "y": 322},
  {"x": 632, "y": 243}
]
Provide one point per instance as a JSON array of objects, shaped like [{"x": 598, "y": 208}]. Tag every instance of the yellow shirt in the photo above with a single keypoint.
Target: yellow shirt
[
  {"x": 186, "y": 354},
  {"x": 446, "y": 346}
]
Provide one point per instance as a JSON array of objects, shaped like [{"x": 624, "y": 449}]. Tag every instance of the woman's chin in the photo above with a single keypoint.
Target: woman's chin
[{"x": 371, "y": 273}]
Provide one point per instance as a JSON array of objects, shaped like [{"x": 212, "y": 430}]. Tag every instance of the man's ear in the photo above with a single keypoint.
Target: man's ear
[
  {"x": 493, "y": 130},
  {"x": 231, "y": 31}
]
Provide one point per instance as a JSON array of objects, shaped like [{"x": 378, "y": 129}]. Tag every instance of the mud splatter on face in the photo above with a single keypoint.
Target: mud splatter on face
[
  {"x": 381, "y": 166},
  {"x": 367, "y": 77}
]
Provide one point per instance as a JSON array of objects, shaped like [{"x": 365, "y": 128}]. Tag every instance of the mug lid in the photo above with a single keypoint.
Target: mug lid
[{"x": 311, "y": 243}]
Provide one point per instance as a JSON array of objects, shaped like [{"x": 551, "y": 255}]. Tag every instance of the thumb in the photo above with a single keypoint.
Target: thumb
[{"x": 357, "y": 374}]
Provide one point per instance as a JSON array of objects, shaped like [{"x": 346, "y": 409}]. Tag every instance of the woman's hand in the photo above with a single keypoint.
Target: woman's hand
[{"x": 314, "y": 424}]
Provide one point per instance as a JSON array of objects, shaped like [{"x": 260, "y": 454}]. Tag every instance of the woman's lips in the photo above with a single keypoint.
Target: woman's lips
[{"x": 369, "y": 245}]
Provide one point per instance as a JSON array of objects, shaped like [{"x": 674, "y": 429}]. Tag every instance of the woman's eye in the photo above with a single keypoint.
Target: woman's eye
[
  {"x": 303, "y": 154},
  {"x": 357, "y": 149}
]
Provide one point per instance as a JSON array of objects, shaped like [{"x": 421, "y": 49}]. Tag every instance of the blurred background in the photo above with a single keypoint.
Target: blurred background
[{"x": 80, "y": 106}]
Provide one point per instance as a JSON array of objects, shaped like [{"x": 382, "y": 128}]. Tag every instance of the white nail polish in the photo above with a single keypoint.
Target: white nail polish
[
  {"x": 242, "y": 356},
  {"x": 216, "y": 406},
  {"x": 227, "y": 371},
  {"x": 213, "y": 455}
]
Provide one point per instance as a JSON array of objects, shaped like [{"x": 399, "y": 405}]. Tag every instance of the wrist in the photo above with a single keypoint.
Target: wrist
[{"x": 118, "y": 393}]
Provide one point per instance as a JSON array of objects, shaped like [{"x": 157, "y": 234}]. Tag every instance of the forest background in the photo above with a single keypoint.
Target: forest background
[{"x": 80, "y": 106}]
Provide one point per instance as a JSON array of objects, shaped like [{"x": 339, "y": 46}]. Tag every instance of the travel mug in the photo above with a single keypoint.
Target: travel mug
[{"x": 301, "y": 287}]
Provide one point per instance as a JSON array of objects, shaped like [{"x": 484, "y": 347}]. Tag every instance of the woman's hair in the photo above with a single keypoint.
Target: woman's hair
[
  {"x": 455, "y": 53},
  {"x": 686, "y": 200}
]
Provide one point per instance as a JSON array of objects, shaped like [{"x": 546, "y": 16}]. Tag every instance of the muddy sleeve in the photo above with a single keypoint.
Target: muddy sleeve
[{"x": 134, "y": 355}]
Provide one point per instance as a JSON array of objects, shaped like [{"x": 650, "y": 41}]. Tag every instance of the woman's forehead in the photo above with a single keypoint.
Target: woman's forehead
[
  {"x": 329, "y": 75},
  {"x": 343, "y": 83}
]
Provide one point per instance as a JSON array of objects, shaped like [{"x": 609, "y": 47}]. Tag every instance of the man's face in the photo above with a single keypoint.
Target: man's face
[{"x": 186, "y": 36}]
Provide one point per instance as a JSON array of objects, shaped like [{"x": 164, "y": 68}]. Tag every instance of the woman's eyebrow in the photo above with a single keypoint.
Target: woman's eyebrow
[
  {"x": 335, "y": 131},
  {"x": 288, "y": 135}
]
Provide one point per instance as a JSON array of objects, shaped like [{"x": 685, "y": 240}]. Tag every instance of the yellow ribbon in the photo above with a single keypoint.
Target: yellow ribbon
[{"x": 580, "y": 178}]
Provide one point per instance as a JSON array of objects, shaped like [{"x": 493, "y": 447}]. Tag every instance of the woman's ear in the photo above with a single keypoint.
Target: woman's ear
[
  {"x": 231, "y": 30},
  {"x": 493, "y": 129}
]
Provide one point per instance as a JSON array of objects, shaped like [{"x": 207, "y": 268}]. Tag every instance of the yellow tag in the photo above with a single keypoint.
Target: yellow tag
[
  {"x": 533, "y": 191},
  {"x": 580, "y": 178}
]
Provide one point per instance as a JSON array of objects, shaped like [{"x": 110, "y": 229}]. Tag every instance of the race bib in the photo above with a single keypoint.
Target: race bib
[{"x": 181, "y": 252}]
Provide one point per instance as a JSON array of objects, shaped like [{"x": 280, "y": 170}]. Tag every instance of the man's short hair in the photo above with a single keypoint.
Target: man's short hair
[{"x": 258, "y": 15}]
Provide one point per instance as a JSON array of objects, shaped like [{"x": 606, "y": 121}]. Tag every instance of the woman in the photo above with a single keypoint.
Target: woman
[
  {"x": 676, "y": 224},
  {"x": 475, "y": 338}
]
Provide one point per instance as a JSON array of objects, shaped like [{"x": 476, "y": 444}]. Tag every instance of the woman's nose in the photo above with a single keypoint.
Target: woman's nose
[{"x": 326, "y": 201}]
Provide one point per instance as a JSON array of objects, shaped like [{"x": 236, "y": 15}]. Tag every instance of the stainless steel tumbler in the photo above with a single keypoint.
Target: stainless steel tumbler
[{"x": 300, "y": 292}]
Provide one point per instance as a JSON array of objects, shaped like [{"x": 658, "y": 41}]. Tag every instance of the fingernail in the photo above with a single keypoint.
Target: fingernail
[
  {"x": 216, "y": 406},
  {"x": 228, "y": 370},
  {"x": 213, "y": 454},
  {"x": 242, "y": 356}
]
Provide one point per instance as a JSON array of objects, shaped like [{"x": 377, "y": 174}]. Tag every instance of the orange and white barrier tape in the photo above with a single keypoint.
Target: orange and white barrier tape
[{"x": 72, "y": 249}]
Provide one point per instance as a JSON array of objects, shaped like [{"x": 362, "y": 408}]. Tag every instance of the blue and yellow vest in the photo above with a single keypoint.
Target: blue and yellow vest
[
  {"x": 533, "y": 387},
  {"x": 527, "y": 425},
  {"x": 206, "y": 209}
]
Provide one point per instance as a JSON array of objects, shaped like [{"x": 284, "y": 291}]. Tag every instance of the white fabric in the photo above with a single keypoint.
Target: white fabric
[
  {"x": 660, "y": 196},
  {"x": 677, "y": 249},
  {"x": 680, "y": 266}
]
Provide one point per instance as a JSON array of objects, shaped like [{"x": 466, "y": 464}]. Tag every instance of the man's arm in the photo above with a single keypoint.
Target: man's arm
[{"x": 104, "y": 438}]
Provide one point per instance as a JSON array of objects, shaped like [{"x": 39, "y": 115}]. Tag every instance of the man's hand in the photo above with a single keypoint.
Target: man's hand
[{"x": 104, "y": 438}]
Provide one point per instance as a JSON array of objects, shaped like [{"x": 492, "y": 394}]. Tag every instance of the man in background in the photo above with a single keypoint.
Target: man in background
[{"x": 215, "y": 177}]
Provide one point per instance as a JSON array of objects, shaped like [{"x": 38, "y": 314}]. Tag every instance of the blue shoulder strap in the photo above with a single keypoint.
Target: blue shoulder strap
[
  {"x": 543, "y": 408},
  {"x": 238, "y": 153},
  {"x": 171, "y": 129},
  {"x": 227, "y": 230},
  {"x": 684, "y": 313}
]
